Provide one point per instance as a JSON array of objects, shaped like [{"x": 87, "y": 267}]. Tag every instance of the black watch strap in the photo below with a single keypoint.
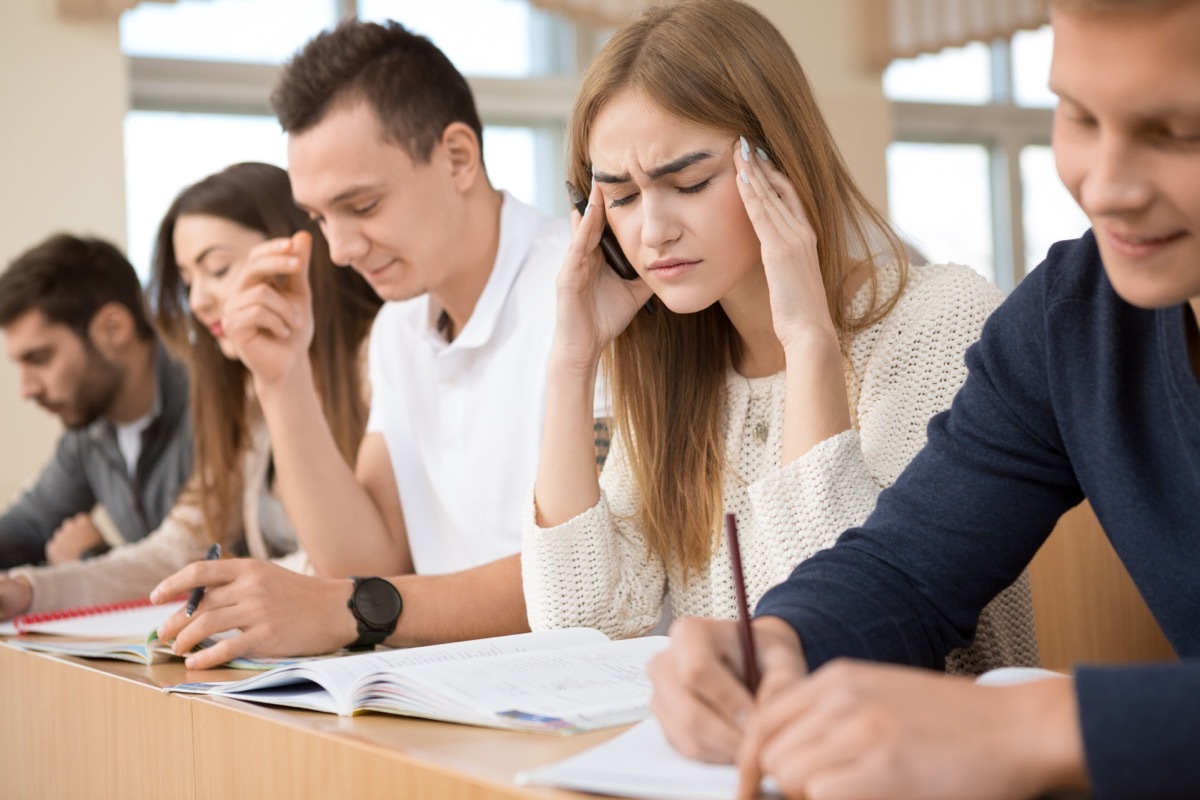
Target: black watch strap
[{"x": 376, "y": 606}]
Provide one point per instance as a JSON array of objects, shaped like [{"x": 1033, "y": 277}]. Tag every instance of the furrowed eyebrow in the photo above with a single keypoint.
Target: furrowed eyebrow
[{"x": 671, "y": 167}]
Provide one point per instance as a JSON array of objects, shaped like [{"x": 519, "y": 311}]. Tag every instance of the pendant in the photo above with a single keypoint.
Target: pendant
[{"x": 760, "y": 432}]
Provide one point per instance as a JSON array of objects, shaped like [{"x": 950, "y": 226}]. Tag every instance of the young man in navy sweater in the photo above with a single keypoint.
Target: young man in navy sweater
[{"x": 1084, "y": 384}]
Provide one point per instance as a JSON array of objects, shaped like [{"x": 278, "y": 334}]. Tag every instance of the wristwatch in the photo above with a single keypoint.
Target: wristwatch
[{"x": 376, "y": 606}]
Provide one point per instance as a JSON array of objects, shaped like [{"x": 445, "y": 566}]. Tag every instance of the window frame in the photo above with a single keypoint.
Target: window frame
[
  {"x": 541, "y": 103},
  {"x": 1004, "y": 129}
]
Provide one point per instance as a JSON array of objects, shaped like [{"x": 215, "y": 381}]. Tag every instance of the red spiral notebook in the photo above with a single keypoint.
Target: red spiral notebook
[{"x": 130, "y": 618}]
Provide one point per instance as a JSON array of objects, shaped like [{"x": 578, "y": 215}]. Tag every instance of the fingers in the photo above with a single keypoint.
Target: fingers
[
  {"x": 220, "y": 653},
  {"x": 261, "y": 308},
  {"x": 588, "y": 229},
  {"x": 692, "y": 727},
  {"x": 774, "y": 208},
  {"x": 73, "y": 538},
  {"x": 199, "y": 573},
  {"x": 699, "y": 697},
  {"x": 208, "y": 623},
  {"x": 771, "y": 201},
  {"x": 16, "y": 595},
  {"x": 283, "y": 258}
]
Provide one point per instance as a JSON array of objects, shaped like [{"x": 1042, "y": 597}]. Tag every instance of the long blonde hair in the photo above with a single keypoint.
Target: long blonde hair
[
  {"x": 722, "y": 65},
  {"x": 257, "y": 197}
]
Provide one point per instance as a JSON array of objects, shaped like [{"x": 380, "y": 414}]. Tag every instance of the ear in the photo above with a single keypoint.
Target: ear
[
  {"x": 463, "y": 154},
  {"x": 112, "y": 328}
]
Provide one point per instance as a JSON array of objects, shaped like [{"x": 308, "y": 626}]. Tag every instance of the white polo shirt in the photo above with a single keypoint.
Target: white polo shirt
[{"x": 463, "y": 420}]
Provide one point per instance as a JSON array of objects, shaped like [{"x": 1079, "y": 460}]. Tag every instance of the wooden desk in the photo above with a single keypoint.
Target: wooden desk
[{"x": 104, "y": 729}]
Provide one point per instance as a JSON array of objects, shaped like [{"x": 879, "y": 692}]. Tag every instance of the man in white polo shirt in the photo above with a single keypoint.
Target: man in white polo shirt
[{"x": 385, "y": 153}]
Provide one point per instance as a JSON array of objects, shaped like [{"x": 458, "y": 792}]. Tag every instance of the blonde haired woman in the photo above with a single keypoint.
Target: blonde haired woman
[{"x": 793, "y": 363}]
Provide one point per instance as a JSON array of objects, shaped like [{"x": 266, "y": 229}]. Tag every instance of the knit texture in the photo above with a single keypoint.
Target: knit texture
[{"x": 596, "y": 571}]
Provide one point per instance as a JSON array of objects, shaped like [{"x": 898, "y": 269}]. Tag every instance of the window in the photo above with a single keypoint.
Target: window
[
  {"x": 257, "y": 31},
  {"x": 202, "y": 71},
  {"x": 972, "y": 148},
  {"x": 951, "y": 222}
]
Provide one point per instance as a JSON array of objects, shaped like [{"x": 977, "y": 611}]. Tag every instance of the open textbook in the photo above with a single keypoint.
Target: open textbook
[
  {"x": 123, "y": 631},
  {"x": 561, "y": 681}
]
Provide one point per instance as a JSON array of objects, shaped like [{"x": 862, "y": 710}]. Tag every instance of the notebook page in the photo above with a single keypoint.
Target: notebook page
[
  {"x": 130, "y": 623},
  {"x": 640, "y": 763}
]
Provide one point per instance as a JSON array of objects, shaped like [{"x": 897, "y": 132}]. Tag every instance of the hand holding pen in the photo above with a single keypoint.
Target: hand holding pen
[
  {"x": 718, "y": 674},
  {"x": 197, "y": 594}
]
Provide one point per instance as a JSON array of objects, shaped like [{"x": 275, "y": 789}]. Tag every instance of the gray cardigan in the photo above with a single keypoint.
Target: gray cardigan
[{"x": 88, "y": 470}]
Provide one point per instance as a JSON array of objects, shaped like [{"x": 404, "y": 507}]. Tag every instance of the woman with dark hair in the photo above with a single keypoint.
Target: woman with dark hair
[
  {"x": 212, "y": 231},
  {"x": 791, "y": 367}
]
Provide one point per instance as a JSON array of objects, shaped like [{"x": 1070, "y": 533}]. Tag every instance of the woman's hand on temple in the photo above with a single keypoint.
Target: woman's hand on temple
[
  {"x": 789, "y": 247},
  {"x": 594, "y": 304}
]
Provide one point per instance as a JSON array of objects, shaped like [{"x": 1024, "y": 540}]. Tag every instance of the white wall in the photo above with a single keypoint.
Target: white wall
[
  {"x": 63, "y": 88},
  {"x": 825, "y": 36}
]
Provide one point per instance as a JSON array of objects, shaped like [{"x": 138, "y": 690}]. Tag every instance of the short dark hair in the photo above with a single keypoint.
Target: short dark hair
[
  {"x": 70, "y": 278},
  {"x": 414, "y": 89}
]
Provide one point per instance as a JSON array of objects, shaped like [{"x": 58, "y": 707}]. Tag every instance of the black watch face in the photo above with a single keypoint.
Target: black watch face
[{"x": 377, "y": 602}]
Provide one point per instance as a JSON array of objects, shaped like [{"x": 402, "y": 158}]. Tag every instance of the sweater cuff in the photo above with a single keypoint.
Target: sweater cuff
[
  {"x": 1140, "y": 728},
  {"x": 46, "y": 583}
]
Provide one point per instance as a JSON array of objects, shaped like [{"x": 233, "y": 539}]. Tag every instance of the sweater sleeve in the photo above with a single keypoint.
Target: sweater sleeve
[
  {"x": 594, "y": 570},
  {"x": 60, "y": 491},
  {"x": 1140, "y": 728},
  {"x": 905, "y": 373},
  {"x": 124, "y": 573}
]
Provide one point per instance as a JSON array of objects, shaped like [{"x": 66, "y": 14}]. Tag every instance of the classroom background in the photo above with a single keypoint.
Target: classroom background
[{"x": 940, "y": 108}]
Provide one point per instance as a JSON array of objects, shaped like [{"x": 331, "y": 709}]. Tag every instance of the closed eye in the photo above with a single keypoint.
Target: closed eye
[
  {"x": 697, "y": 187},
  {"x": 617, "y": 202}
]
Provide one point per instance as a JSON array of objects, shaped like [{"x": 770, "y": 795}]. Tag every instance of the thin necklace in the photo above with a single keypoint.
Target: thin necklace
[{"x": 761, "y": 428}]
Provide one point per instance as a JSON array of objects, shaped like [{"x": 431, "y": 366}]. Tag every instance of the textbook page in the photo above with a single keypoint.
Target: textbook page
[
  {"x": 336, "y": 679},
  {"x": 563, "y": 690},
  {"x": 640, "y": 763}
]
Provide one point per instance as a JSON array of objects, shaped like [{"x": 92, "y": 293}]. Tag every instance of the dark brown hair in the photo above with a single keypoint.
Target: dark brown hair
[
  {"x": 413, "y": 88},
  {"x": 69, "y": 279},
  {"x": 258, "y": 197},
  {"x": 721, "y": 65}
]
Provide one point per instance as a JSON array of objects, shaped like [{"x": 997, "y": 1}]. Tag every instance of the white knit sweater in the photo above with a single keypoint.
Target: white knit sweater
[{"x": 595, "y": 570}]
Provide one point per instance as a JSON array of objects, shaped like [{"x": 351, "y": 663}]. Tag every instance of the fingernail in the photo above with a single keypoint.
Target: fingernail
[
  {"x": 762, "y": 154},
  {"x": 189, "y": 663},
  {"x": 154, "y": 595},
  {"x": 745, "y": 178},
  {"x": 745, "y": 148}
]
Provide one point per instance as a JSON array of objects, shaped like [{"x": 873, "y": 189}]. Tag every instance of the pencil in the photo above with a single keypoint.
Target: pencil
[{"x": 745, "y": 630}]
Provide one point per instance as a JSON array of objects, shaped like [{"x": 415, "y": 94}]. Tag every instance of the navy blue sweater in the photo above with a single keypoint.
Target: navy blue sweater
[{"x": 1071, "y": 393}]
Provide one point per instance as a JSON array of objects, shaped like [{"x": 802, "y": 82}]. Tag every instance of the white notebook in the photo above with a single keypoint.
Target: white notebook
[{"x": 640, "y": 763}]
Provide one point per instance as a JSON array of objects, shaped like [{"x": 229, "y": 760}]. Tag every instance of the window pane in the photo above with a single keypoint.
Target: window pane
[
  {"x": 1031, "y": 68},
  {"x": 955, "y": 75},
  {"x": 939, "y": 200},
  {"x": 510, "y": 155},
  {"x": 164, "y": 152},
  {"x": 255, "y": 31},
  {"x": 481, "y": 37},
  {"x": 1051, "y": 214}
]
